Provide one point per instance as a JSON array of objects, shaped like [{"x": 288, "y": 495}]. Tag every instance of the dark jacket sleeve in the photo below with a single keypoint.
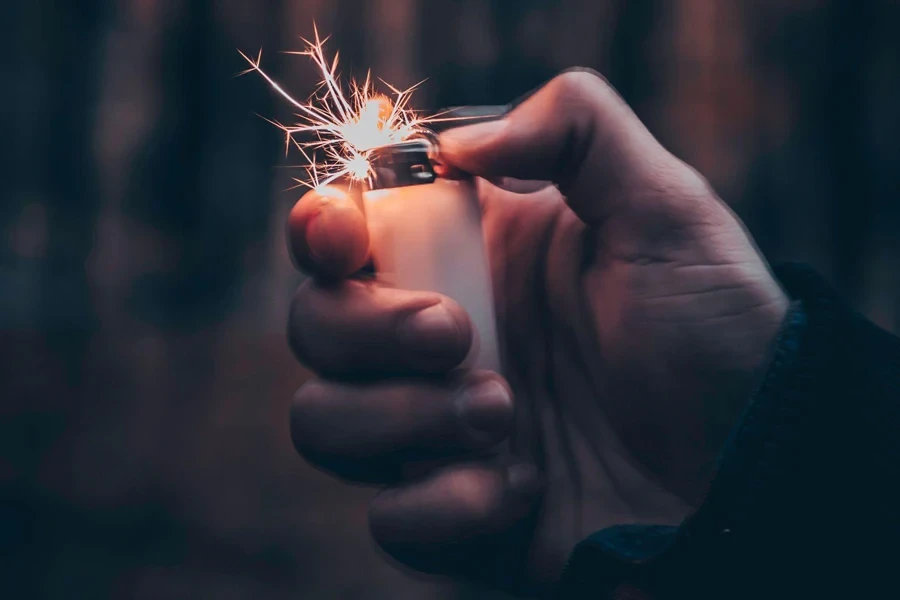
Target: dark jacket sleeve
[{"x": 806, "y": 499}]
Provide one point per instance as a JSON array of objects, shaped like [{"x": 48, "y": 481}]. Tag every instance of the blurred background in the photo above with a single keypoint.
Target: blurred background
[{"x": 144, "y": 284}]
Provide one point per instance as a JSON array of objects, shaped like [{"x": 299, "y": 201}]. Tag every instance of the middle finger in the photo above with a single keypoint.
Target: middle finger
[{"x": 372, "y": 432}]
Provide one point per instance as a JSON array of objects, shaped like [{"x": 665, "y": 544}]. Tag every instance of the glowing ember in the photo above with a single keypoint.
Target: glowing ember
[{"x": 345, "y": 128}]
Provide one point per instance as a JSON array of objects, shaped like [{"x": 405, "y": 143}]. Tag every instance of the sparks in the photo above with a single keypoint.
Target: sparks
[{"x": 343, "y": 127}]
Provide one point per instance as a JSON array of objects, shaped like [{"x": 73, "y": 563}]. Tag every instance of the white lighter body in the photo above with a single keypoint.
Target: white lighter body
[{"x": 426, "y": 235}]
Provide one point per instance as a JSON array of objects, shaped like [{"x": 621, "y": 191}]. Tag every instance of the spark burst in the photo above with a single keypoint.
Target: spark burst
[{"x": 344, "y": 128}]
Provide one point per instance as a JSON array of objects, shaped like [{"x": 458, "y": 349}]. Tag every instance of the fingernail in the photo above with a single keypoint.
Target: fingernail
[
  {"x": 486, "y": 407},
  {"x": 523, "y": 479},
  {"x": 432, "y": 330}
]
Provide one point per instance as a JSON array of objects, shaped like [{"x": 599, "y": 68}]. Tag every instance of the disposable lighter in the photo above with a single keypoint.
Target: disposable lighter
[{"x": 426, "y": 234}]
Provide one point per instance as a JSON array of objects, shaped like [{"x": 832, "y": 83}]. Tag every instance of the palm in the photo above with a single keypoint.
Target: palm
[{"x": 610, "y": 405}]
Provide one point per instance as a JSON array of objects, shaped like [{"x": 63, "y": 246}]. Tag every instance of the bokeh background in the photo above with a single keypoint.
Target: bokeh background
[{"x": 144, "y": 450}]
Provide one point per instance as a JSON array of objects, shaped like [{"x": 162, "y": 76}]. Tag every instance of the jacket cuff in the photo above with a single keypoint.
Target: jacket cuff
[{"x": 752, "y": 496}]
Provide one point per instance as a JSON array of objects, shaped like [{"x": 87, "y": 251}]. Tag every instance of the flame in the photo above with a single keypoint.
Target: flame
[{"x": 343, "y": 127}]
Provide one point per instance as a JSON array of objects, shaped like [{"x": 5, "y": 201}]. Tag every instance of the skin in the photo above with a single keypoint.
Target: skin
[{"x": 635, "y": 316}]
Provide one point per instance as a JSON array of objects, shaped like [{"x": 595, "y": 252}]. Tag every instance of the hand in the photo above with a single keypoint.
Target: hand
[{"x": 634, "y": 315}]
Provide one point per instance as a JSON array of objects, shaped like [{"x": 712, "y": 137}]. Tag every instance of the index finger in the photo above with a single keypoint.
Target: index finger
[
  {"x": 327, "y": 234},
  {"x": 577, "y": 132}
]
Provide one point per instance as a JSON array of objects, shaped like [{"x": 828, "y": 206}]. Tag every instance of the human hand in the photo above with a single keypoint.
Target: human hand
[{"x": 634, "y": 314}]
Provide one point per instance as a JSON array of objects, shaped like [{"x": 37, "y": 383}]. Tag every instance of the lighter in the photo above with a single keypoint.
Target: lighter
[
  {"x": 425, "y": 231},
  {"x": 425, "y": 234}
]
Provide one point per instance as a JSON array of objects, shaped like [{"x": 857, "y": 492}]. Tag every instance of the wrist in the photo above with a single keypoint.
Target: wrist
[
  {"x": 726, "y": 376},
  {"x": 660, "y": 559}
]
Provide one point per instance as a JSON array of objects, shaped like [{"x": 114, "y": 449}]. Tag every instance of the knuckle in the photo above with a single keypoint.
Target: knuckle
[
  {"x": 479, "y": 496},
  {"x": 697, "y": 185},
  {"x": 577, "y": 86},
  {"x": 683, "y": 187},
  {"x": 306, "y": 417}
]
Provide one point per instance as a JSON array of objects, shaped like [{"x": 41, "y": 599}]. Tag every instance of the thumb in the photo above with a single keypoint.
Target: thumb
[
  {"x": 327, "y": 234},
  {"x": 577, "y": 132}
]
